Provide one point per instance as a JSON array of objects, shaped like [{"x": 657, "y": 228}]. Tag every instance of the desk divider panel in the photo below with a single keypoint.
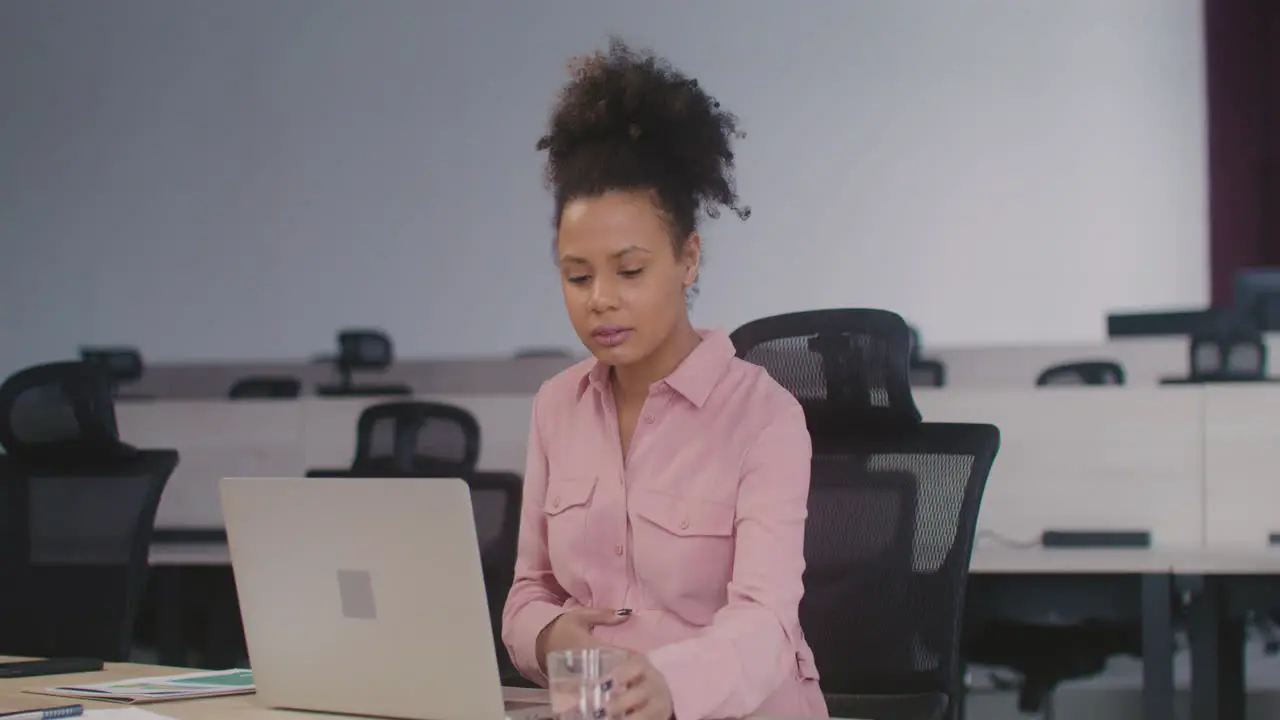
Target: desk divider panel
[
  {"x": 1196, "y": 466},
  {"x": 1087, "y": 459},
  {"x": 215, "y": 439},
  {"x": 1242, "y": 465}
]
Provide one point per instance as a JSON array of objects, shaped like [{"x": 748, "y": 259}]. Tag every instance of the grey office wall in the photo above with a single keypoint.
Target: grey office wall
[{"x": 237, "y": 179}]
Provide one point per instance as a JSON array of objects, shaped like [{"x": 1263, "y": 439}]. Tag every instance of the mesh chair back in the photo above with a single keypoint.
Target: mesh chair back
[
  {"x": 1092, "y": 372},
  {"x": 887, "y": 545},
  {"x": 76, "y": 511},
  {"x": 265, "y": 387},
  {"x": 416, "y": 438},
  {"x": 1228, "y": 354},
  {"x": 893, "y": 504},
  {"x": 846, "y": 367}
]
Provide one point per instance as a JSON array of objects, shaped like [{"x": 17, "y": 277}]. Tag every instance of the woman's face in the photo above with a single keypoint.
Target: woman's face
[{"x": 624, "y": 286}]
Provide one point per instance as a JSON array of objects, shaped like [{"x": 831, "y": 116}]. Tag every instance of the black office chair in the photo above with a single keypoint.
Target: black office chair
[
  {"x": 77, "y": 508},
  {"x": 265, "y": 387},
  {"x": 496, "y": 499},
  {"x": 1086, "y": 372},
  {"x": 893, "y": 510},
  {"x": 123, "y": 364},
  {"x": 362, "y": 350},
  {"x": 413, "y": 438}
]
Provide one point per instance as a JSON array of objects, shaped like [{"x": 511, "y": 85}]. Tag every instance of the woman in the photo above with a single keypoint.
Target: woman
[{"x": 666, "y": 488}]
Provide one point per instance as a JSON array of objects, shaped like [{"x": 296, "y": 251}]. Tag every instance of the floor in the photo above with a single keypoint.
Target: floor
[{"x": 1117, "y": 694}]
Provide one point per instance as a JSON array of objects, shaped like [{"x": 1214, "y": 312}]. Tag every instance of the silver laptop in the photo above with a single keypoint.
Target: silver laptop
[{"x": 365, "y": 597}]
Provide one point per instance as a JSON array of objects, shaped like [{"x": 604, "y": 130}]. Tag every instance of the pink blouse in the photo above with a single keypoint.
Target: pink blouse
[{"x": 700, "y": 533}]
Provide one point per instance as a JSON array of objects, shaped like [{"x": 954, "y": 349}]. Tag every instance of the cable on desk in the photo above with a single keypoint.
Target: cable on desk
[{"x": 1006, "y": 541}]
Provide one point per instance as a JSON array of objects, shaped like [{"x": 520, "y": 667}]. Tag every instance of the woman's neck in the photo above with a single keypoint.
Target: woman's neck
[{"x": 631, "y": 382}]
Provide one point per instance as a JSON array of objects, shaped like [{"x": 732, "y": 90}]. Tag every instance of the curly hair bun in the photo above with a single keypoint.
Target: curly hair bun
[{"x": 629, "y": 121}]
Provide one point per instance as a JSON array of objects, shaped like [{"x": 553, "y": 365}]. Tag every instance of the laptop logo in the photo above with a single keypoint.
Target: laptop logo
[{"x": 355, "y": 590}]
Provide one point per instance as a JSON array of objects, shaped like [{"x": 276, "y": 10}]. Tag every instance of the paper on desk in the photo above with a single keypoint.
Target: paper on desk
[
  {"x": 124, "y": 713},
  {"x": 137, "y": 691}
]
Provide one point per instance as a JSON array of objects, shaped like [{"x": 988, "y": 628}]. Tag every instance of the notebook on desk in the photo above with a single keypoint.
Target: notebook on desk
[
  {"x": 365, "y": 596},
  {"x": 163, "y": 688}
]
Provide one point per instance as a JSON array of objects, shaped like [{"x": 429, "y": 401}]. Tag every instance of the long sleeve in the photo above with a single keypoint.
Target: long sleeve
[
  {"x": 746, "y": 653},
  {"x": 536, "y": 598}
]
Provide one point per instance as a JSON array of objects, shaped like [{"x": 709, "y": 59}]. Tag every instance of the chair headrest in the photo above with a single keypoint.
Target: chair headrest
[
  {"x": 1228, "y": 353},
  {"x": 123, "y": 364},
  {"x": 847, "y": 367},
  {"x": 365, "y": 350},
  {"x": 1085, "y": 372},
  {"x": 59, "y": 412}
]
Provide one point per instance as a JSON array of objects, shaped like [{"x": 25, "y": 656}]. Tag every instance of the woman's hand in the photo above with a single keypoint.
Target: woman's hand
[
  {"x": 572, "y": 630},
  {"x": 639, "y": 692}
]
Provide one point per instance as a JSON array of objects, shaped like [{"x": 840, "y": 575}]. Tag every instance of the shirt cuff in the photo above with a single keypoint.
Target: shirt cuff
[
  {"x": 531, "y": 621},
  {"x": 697, "y": 687}
]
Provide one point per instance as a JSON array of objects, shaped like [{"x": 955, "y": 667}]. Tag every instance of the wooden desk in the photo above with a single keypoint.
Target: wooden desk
[
  {"x": 236, "y": 707},
  {"x": 12, "y": 696},
  {"x": 987, "y": 560}
]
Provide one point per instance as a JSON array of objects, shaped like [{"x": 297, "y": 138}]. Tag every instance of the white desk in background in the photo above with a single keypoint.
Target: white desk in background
[
  {"x": 284, "y": 438},
  {"x": 1193, "y": 465},
  {"x": 1077, "y": 458},
  {"x": 1146, "y": 360},
  {"x": 1238, "y": 571},
  {"x": 1087, "y": 459},
  {"x": 1242, "y": 465}
]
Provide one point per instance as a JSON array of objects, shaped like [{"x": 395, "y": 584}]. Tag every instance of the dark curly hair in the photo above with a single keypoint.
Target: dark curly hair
[{"x": 629, "y": 121}]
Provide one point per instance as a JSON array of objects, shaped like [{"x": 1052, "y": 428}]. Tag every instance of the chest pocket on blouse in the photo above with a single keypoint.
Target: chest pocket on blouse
[
  {"x": 683, "y": 549},
  {"x": 566, "y": 507}
]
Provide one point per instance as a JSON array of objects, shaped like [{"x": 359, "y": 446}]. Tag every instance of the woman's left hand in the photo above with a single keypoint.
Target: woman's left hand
[{"x": 639, "y": 692}]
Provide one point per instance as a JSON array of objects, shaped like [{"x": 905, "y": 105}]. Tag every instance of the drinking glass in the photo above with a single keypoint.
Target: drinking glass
[{"x": 576, "y": 679}]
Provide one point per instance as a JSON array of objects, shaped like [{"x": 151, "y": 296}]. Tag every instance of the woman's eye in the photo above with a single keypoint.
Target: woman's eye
[
  {"x": 578, "y": 279},
  {"x": 632, "y": 273}
]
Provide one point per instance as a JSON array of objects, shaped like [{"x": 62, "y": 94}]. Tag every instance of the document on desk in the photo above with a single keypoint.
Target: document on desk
[
  {"x": 124, "y": 713},
  {"x": 160, "y": 688}
]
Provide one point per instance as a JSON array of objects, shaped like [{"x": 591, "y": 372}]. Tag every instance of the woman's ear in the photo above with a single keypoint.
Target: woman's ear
[{"x": 691, "y": 258}]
